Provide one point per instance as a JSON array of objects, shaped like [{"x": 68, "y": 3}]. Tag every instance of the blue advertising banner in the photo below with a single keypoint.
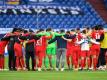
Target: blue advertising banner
[{"x": 64, "y": 10}]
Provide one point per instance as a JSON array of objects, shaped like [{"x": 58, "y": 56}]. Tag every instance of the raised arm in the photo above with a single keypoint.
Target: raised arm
[
  {"x": 59, "y": 34},
  {"x": 7, "y": 36},
  {"x": 80, "y": 42},
  {"x": 52, "y": 40},
  {"x": 41, "y": 34},
  {"x": 70, "y": 37},
  {"x": 101, "y": 38},
  {"x": 23, "y": 37},
  {"x": 69, "y": 40},
  {"x": 36, "y": 37},
  {"x": 94, "y": 41}
]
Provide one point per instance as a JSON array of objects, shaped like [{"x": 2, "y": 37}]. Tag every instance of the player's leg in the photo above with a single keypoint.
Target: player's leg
[
  {"x": 14, "y": 62},
  {"x": 17, "y": 50},
  {"x": 103, "y": 60},
  {"x": 58, "y": 56},
  {"x": 63, "y": 53},
  {"x": 22, "y": 63},
  {"x": 0, "y": 64},
  {"x": 97, "y": 53},
  {"x": 17, "y": 63},
  {"x": 106, "y": 59},
  {"x": 53, "y": 57},
  {"x": 50, "y": 61},
  {"x": 88, "y": 59},
  {"x": 10, "y": 60},
  {"x": 83, "y": 58},
  {"x": 95, "y": 56},
  {"x": 21, "y": 58},
  {"x": 94, "y": 61},
  {"x": 46, "y": 58},
  {"x": 40, "y": 59},
  {"x": 75, "y": 62},
  {"x": 68, "y": 60},
  {"x": 49, "y": 55},
  {"x": 82, "y": 62},
  {"x": 32, "y": 54},
  {"x": 45, "y": 61},
  {"x": 3, "y": 61},
  {"x": 50, "y": 58},
  {"x": 36, "y": 58},
  {"x": 76, "y": 52},
  {"x": 27, "y": 56},
  {"x": 79, "y": 57},
  {"x": 91, "y": 64}
]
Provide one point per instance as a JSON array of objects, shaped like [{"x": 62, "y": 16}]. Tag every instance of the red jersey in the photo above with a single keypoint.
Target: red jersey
[
  {"x": 96, "y": 34},
  {"x": 29, "y": 41},
  {"x": 95, "y": 48},
  {"x": 42, "y": 42},
  {"x": 76, "y": 39},
  {"x": 3, "y": 44}
]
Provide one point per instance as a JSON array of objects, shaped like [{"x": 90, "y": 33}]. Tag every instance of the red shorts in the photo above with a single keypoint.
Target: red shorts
[
  {"x": 2, "y": 47},
  {"x": 2, "y": 50},
  {"x": 18, "y": 50},
  {"x": 39, "y": 51},
  {"x": 69, "y": 52},
  {"x": 85, "y": 54},
  {"x": 77, "y": 50},
  {"x": 95, "y": 49}
]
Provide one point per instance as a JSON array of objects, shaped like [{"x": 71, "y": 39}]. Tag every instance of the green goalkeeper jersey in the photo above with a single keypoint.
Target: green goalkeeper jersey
[{"x": 53, "y": 45}]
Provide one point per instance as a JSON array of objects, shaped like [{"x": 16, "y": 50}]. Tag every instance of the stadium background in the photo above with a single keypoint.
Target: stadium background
[{"x": 58, "y": 14}]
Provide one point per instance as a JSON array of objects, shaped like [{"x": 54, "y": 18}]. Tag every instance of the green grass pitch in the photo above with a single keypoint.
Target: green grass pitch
[{"x": 53, "y": 75}]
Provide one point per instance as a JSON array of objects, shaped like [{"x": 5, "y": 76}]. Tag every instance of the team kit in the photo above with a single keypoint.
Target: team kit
[{"x": 74, "y": 49}]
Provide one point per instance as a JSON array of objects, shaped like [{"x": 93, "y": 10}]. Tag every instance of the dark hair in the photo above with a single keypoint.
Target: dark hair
[
  {"x": 14, "y": 29},
  {"x": 20, "y": 29},
  {"x": 57, "y": 31},
  {"x": 77, "y": 28},
  {"x": 30, "y": 30},
  {"x": 96, "y": 27},
  {"x": 68, "y": 32},
  {"x": 49, "y": 29},
  {"x": 101, "y": 27},
  {"x": 87, "y": 28},
  {"x": 41, "y": 30},
  {"x": 25, "y": 31},
  {"x": 72, "y": 30},
  {"x": 62, "y": 31},
  {"x": 84, "y": 31}
]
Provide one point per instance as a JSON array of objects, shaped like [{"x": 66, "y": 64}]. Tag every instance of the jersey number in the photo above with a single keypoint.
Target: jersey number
[
  {"x": 97, "y": 36},
  {"x": 39, "y": 42}
]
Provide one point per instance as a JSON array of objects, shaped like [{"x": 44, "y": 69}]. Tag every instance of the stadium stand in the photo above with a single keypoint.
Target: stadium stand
[{"x": 89, "y": 18}]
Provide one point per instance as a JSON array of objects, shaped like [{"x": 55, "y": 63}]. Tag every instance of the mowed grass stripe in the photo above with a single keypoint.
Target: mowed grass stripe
[{"x": 53, "y": 75}]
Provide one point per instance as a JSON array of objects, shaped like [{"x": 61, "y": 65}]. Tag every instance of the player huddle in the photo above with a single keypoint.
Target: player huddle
[{"x": 80, "y": 49}]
